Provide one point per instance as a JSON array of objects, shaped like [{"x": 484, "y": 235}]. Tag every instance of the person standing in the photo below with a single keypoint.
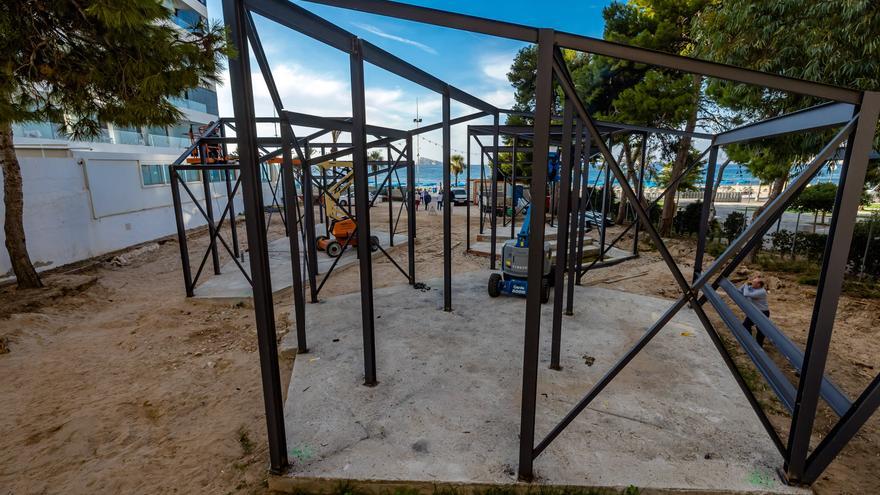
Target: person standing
[
  {"x": 427, "y": 200},
  {"x": 756, "y": 292},
  {"x": 440, "y": 199}
]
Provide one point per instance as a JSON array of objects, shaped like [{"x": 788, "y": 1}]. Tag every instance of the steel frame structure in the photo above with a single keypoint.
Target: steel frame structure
[
  {"x": 216, "y": 135},
  {"x": 852, "y": 114}
]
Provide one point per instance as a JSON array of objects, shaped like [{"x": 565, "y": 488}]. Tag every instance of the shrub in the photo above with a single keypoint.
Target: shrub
[
  {"x": 687, "y": 220},
  {"x": 733, "y": 225}
]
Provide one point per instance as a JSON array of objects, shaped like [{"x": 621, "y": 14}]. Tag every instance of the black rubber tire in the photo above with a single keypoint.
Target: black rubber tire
[
  {"x": 545, "y": 291},
  {"x": 494, "y": 281},
  {"x": 334, "y": 249},
  {"x": 374, "y": 244}
]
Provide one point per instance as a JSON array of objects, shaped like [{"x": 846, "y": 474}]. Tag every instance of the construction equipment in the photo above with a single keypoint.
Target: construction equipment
[
  {"x": 213, "y": 152},
  {"x": 513, "y": 279},
  {"x": 342, "y": 226}
]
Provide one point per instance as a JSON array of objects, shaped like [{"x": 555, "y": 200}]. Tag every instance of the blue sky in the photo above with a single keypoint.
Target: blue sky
[{"x": 314, "y": 78}]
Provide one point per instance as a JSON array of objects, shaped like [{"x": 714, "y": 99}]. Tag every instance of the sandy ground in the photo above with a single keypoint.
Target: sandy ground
[{"x": 114, "y": 382}]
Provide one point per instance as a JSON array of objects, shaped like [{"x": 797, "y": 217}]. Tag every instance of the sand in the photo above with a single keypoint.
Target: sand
[{"x": 114, "y": 382}]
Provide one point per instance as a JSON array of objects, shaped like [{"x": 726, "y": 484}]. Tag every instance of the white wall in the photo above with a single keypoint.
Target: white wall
[{"x": 81, "y": 204}]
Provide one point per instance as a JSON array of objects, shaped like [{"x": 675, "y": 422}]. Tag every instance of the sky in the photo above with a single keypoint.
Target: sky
[{"x": 314, "y": 78}]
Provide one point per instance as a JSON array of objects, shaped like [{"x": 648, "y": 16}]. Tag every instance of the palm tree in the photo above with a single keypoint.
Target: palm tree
[
  {"x": 374, "y": 157},
  {"x": 456, "y": 165}
]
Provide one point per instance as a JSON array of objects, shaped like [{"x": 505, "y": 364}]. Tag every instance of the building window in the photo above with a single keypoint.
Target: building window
[
  {"x": 190, "y": 175},
  {"x": 154, "y": 175}
]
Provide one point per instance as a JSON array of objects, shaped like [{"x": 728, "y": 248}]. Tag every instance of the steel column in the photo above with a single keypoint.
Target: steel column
[
  {"x": 362, "y": 208},
  {"x": 229, "y": 194},
  {"x": 309, "y": 223},
  {"x": 576, "y": 213},
  {"x": 181, "y": 232},
  {"x": 641, "y": 191},
  {"x": 852, "y": 179},
  {"x": 564, "y": 198},
  {"x": 513, "y": 188},
  {"x": 209, "y": 208},
  {"x": 447, "y": 207},
  {"x": 289, "y": 190},
  {"x": 704, "y": 211},
  {"x": 493, "y": 217},
  {"x": 467, "y": 225},
  {"x": 538, "y": 187},
  {"x": 411, "y": 214},
  {"x": 246, "y": 137},
  {"x": 584, "y": 204},
  {"x": 605, "y": 194}
]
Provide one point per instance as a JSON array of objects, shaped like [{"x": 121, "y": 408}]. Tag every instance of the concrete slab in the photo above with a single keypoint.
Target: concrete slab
[
  {"x": 483, "y": 248},
  {"x": 446, "y": 409},
  {"x": 231, "y": 284},
  {"x": 550, "y": 233}
]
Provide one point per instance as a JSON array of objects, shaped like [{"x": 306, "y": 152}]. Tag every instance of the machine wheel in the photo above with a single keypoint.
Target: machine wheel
[
  {"x": 545, "y": 291},
  {"x": 374, "y": 243},
  {"x": 334, "y": 249},
  {"x": 494, "y": 282},
  {"x": 319, "y": 241}
]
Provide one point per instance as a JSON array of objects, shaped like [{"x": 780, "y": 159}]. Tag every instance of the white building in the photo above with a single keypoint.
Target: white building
[{"x": 84, "y": 199}]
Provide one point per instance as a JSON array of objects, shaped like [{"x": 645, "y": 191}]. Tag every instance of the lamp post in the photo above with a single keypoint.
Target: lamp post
[{"x": 417, "y": 121}]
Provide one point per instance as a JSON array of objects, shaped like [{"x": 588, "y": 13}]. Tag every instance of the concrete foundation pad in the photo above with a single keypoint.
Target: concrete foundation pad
[
  {"x": 484, "y": 248},
  {"x": 231, "y": 284},
  {"x": 447, "y": 406}
]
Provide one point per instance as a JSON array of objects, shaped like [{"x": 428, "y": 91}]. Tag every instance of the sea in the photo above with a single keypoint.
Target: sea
[{"x": 431, "y": 176}]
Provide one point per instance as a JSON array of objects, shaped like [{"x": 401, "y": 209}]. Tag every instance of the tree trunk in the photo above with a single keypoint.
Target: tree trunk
[
  {"x": 13, "y": 226},
  {"x": 681, "y": 158},
  {"x": 629, "y": 168},
  {"x": 775, "y": 190},
  {"x": 718, "y": 177}
]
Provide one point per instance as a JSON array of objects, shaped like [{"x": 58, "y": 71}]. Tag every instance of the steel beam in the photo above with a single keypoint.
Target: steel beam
[
  {"x": 808, "y": 119},
  {"x": 345, "y": 125}
]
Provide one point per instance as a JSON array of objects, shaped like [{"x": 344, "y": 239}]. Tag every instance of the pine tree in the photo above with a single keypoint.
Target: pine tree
[{"x": 90, "y": 62}]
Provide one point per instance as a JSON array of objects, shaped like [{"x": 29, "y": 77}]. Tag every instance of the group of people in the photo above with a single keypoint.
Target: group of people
[{"x": 426, "y": 198}]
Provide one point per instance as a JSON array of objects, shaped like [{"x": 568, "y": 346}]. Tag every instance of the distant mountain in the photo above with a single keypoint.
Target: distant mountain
[{"x": 427, "y": 161}]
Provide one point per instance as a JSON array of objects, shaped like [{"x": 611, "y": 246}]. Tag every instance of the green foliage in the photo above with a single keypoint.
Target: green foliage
[
  {"x": 830, "y": 41},
  {"x": 733, "y": 225},
  {"x": 816, "y": 198},
  {"x": 92, "y": 61},
  {"x": 687, "y": 183}
]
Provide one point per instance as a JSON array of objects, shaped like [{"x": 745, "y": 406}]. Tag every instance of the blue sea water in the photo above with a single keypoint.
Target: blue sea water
[{"x": 734, "y": 175}]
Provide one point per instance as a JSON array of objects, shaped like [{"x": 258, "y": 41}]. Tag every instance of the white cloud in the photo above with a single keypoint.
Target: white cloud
[
  {"x": 382, "y": 34},
  {"x": 496, "y": 66},
  {"x": 501, "y": 97}
]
